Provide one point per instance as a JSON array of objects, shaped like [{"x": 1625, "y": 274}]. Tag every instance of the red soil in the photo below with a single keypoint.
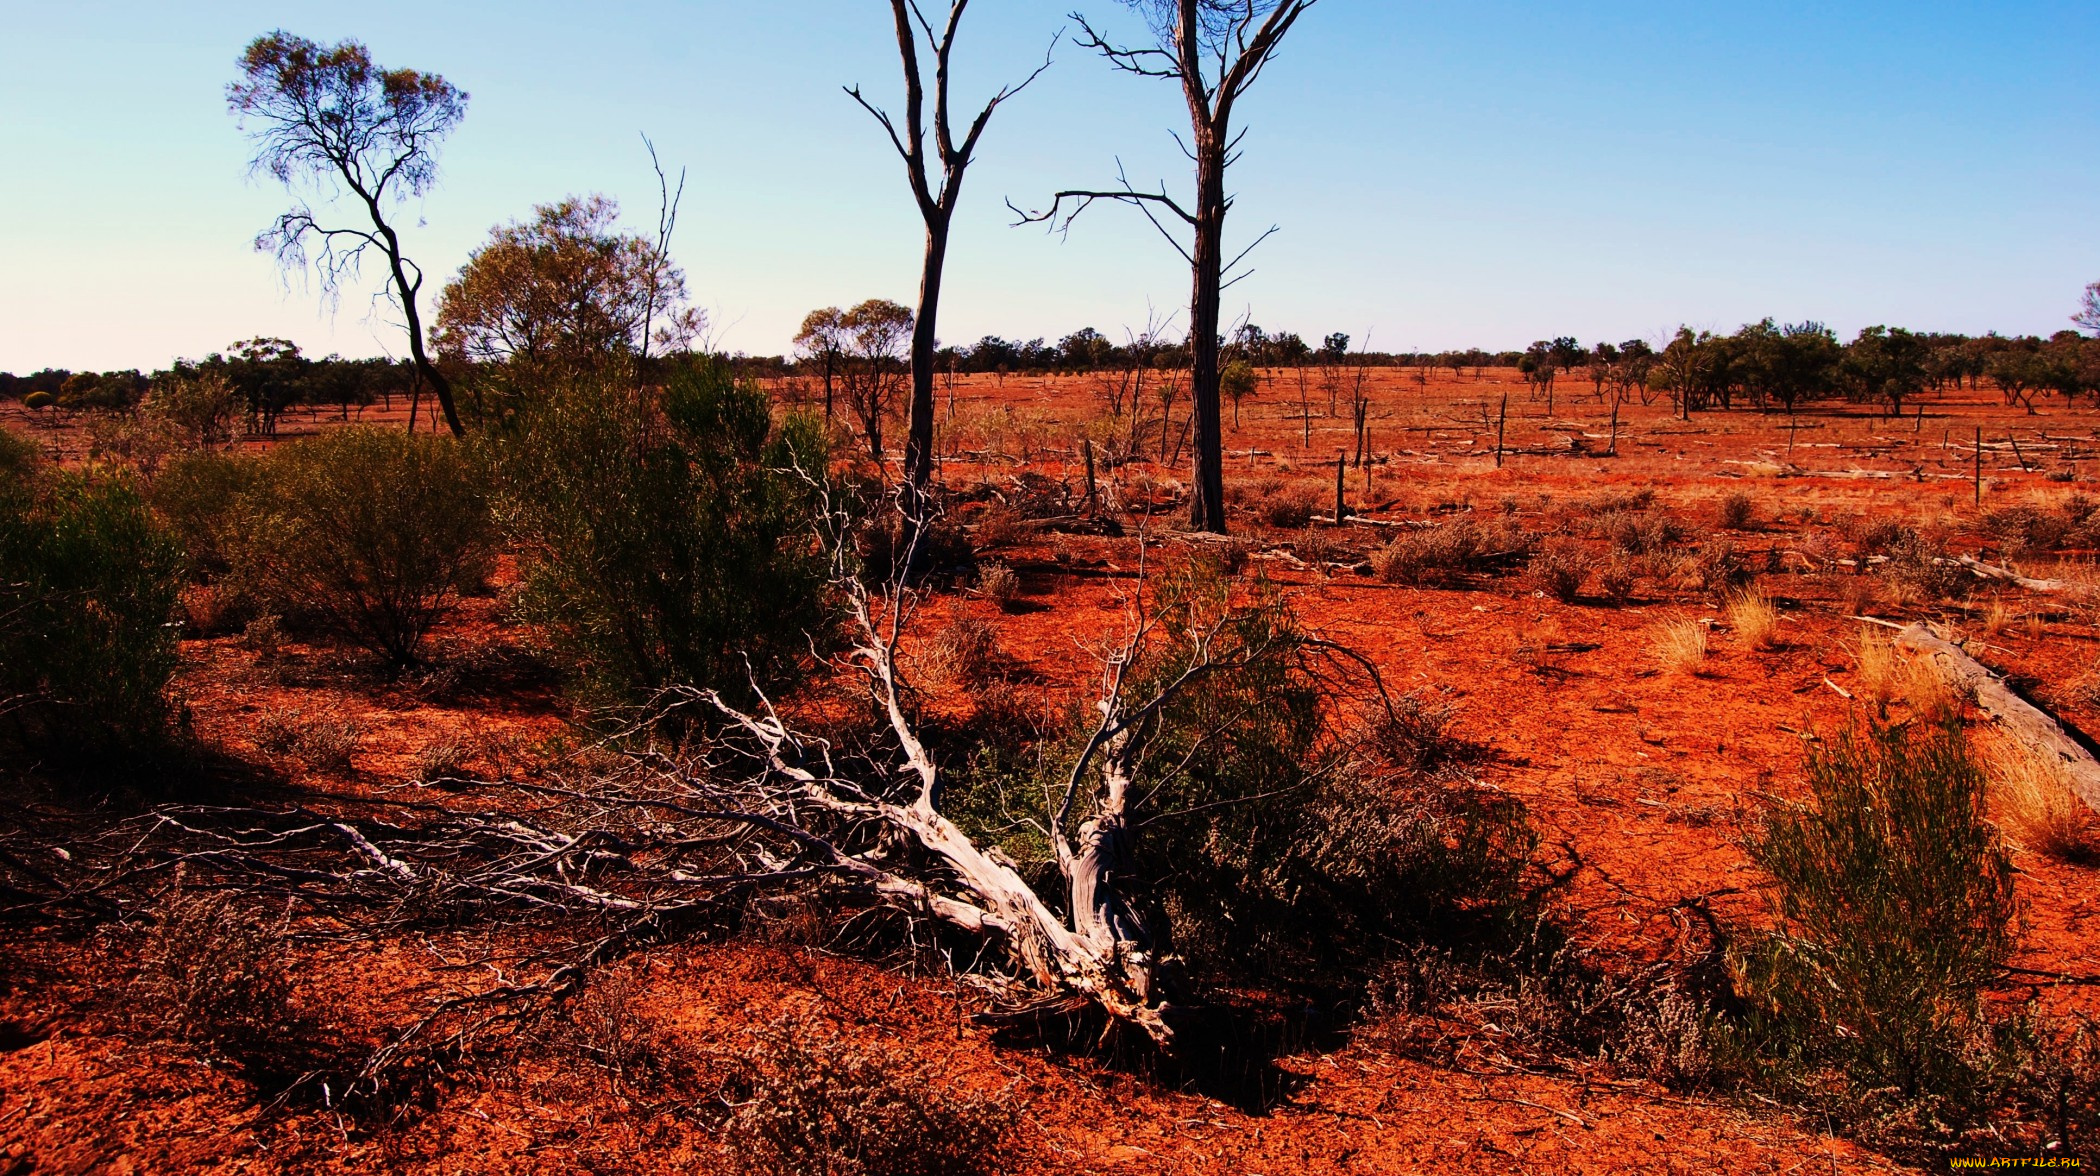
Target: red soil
[{"x": 1641, "y": 776}]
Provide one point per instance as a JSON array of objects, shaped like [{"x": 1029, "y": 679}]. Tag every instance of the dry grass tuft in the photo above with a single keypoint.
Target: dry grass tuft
[
  {"x": 2036, "y": 805},
  {"x": 322, "y": 741},
  {"x": 1998, "y": 616},
  {"x": 999, "y": 584},
  {"x": 1680, "y": 645},
  {"x": 213, "y": 972},
  {"x": 1879, "y": 673},
  {"x": 1753, "y": 619},
  {"x": 813, "y": 1102},
  {"x": 965, "y": 651},
  {"x": 1560, "y": 568},
  {"x": 1738, "y": 512}
]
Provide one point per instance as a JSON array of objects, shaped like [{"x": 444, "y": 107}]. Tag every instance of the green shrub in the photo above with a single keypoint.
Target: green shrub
[
  {"x": 366, "y": 535},
  {"x": 88, "y": 584},
  {"x": 1894, "y": 902},
  {"x": 668, "y": 540},
  {"x": 203, "y": 498}
]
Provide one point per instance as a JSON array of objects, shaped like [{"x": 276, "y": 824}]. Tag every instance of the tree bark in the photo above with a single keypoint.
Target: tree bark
[
  {"x": 1207, "y": 503},
  {"x": 918, "y": 443}
]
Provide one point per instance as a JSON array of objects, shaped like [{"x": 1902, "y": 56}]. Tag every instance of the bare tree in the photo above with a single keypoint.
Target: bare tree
[
  {"x": 329, "y": 120},
  {"x": 1215, "y": 49},
  {"x": 2088, "y": 316},
  {"x": 936, "y": 204}
]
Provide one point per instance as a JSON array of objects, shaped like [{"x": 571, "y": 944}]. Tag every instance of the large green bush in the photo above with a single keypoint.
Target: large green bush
[
  {"x": 668, "y": 539},
  {"x": 88, "y": 585},
  {"x": 365, "y": 534}
]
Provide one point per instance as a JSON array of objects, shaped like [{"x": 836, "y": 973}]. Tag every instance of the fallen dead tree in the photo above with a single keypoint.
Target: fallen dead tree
[
  {"x": 2033, "y": 731},
  {"x": 1984, "y": 571}
]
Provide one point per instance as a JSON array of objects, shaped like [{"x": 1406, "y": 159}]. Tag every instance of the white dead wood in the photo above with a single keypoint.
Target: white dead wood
[
  {"x": 2034, "y": 732},
  {"x": 2007, "y": 575}
]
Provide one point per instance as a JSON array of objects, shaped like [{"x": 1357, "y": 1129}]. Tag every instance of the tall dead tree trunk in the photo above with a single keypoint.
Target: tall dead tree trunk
[
  {"x": 936, "y": 205},
  {"x": 1215, "y": 51}
]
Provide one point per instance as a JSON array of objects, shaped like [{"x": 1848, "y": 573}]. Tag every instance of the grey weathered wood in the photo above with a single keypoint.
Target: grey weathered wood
[{"x": 2037, "y": 733}]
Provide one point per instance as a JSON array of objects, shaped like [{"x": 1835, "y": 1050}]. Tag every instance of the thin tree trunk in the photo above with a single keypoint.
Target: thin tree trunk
[
  {"x": 1207, "y": 503},
  {"x": 918, "y": 443}
]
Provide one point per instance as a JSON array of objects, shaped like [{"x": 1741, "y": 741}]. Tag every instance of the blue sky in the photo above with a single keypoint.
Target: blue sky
[{"x": 1444, "y": 174}]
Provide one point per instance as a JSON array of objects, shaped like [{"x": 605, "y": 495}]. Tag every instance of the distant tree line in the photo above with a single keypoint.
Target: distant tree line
[
  {"x": 1773, "y": 367},
  {"x": 266, "y": 377}
]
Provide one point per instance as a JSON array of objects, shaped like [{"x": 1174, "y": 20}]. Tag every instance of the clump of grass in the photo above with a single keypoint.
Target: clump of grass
[
  {"x": 323, "y": 741},
  {"x": 2038, "y": 807},
  {"x": 445, "y": 759},
  {"x": 1753, "y": 619},
  {"x": 1288, "y": 510},
  {"x": 1560, "y": 568},
  {"x": 999, "y": 526},
  {"x": 264, "y": 637},
  {"x": 1680, "y": 645},
  {"x": 1643, "y": 532},
  {"x": 2084, "y": 689},
  {"x": 1998, "y": 616},
  {"x": 1738, "y": 512},
  {"x": 965, "y": 651},
  {"x": 1878, "y": 672},
  {"x": 1918, "y": 569},
  {"x": 1617, "y": 577},
  {"x": 999, "y": 584},
  {"x": 1444, "y": 554},
  {"x": 214, "y": 973},
  {"x": 813, "y": 1102}
]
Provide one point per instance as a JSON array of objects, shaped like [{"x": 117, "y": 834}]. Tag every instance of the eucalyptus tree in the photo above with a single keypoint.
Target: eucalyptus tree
[
  {"x": 1214, "y": 50},
  {"x": 330, "y": 124}
]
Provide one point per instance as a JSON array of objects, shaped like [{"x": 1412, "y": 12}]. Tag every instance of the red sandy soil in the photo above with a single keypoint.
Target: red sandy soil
[{"x": 1642, "y": 776}]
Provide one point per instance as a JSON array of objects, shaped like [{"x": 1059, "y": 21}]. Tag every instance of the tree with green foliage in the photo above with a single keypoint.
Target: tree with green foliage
[{"x": 1886, "y": 364}]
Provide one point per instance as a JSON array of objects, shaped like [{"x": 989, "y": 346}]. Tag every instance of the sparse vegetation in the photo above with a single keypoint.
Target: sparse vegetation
[
  {"x": 1442, "y": 555},
  {"x": 214, "y": 972},
  {"x": 322, "y": 741},
  {"x": 999, "y": 583},
  {"x": 810, "y": 1101}
]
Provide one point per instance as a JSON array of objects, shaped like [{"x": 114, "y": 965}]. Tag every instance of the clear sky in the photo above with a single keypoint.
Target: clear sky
[{"x": 1445, "y": 175}]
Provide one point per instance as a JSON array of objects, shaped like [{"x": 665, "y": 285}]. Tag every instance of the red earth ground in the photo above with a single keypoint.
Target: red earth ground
[{"x": 1640, "y": 778}]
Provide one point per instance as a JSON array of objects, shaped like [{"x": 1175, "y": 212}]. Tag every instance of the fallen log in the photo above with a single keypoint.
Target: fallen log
[
  {"x": 2035, "y": 732},
  {"x": 1986, "y": 571}
]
